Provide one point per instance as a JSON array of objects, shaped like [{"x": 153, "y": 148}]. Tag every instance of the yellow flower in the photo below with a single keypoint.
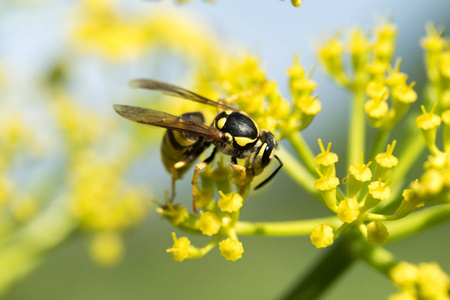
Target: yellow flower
[
  {"x": 327, "y": 186},
  {"x": 433, "y": 283},
  {"x": 377, "y": 233},
  {"x": 175, "y": 213},
  {"x": 359, "y": 49},
  {"x": 325, "y": 158},
  {"x": 107, "y": 248},
  {"x": 395, "y": 77},
  {"x": 377, "y": 90},
  {"x": 348, "y": 210},
  {"x": 376, "y": 109},
  {"x": 403, "y": 295},
  {"x": 296, "y": 71},
  {"x": 322, "y": 236},
  {"x": 428, "y": 120},
  {"x": 433, "y": 41},
  {"x": 326, "y": 183},
  {"x": 379, "y": 190},
  {"x": 386, "y": 159},
  {"x": 385, "y": 44},
  {"x": 180, "y": 248},
  {"x": 330, "y": 54},
  {"x": 360, "y": 171},
  {"x": 230, "y": 202},
  {"x": 404, "y": 274},
  {"x": 405, "y": 93},
  {"x": 231, "y": 249},
  {"x": 209, "y": 223}
]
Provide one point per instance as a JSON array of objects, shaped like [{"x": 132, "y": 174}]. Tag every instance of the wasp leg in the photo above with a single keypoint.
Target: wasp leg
[
  {"x": 199, "y": 167},
  {"x": 176, "y": 174},
  {"x": 242, "y": 175}
]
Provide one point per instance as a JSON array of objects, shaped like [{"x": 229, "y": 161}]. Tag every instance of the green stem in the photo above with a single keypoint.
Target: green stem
[
  {"x": 304, "y": 227},
  {"x": 380, "y": 143},
  {"x": 303, "y": 151},
  {"x": 357, "y": 127},
  {"x": 298, "y": 172},
  {"x": 418, "y": 221},
  {"x": 407, "y": 158},
  {"x": 377, "y": 256},
  {"x": 334, "y": 263}
]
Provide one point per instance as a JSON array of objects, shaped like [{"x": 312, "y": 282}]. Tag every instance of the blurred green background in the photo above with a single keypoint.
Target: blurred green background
[{"x": 35, "y": 42}]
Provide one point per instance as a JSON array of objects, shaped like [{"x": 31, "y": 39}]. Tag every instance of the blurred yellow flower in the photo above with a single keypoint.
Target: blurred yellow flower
[{"x": 231, "y": 249}]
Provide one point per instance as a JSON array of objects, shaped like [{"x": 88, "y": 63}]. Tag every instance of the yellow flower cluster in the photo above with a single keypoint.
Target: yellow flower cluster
[
  {"x": 423, "y": 281},
  {"x": 99, "y": 197},
  {"x": 362, "y": 195},
  {"x": 384, "y": 85},
  {"x": 437, "y": 63},
  {"x": 218, "y": 219},
  {"x": 372, "y": 71},
  {"x": 104, "y": 29},
  {"x": 262, "y": 100},
  {"x": 16, "y": 141}
]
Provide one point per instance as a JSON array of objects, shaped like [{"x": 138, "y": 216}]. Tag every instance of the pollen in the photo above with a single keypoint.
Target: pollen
[
  {"x": 230, "y": 202},
  {"x": 231, "y": 249},
  {"x": 322, "y": 236},
  {"x": 209, "y": 223},
  {"x": 180, "y": 248}
]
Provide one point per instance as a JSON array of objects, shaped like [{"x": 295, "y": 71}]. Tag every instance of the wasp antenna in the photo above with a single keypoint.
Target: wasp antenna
[{"x": 271, "y": 175}]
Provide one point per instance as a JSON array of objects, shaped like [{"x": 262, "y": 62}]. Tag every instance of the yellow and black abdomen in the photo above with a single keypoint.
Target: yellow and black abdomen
[{"x": 179, "y": 149}]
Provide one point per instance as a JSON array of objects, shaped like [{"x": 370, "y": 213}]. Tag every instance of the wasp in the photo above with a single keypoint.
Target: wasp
[{"x": 232, "y": 133}]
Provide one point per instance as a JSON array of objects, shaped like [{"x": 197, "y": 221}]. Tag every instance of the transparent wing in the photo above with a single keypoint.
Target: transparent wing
[
  {"x": 176, "y": 91},
  {"x": 161, "y": 119}
]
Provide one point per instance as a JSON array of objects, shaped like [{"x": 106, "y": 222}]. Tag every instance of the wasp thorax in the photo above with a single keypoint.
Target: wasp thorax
[{"x": 241, "y": 128}]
